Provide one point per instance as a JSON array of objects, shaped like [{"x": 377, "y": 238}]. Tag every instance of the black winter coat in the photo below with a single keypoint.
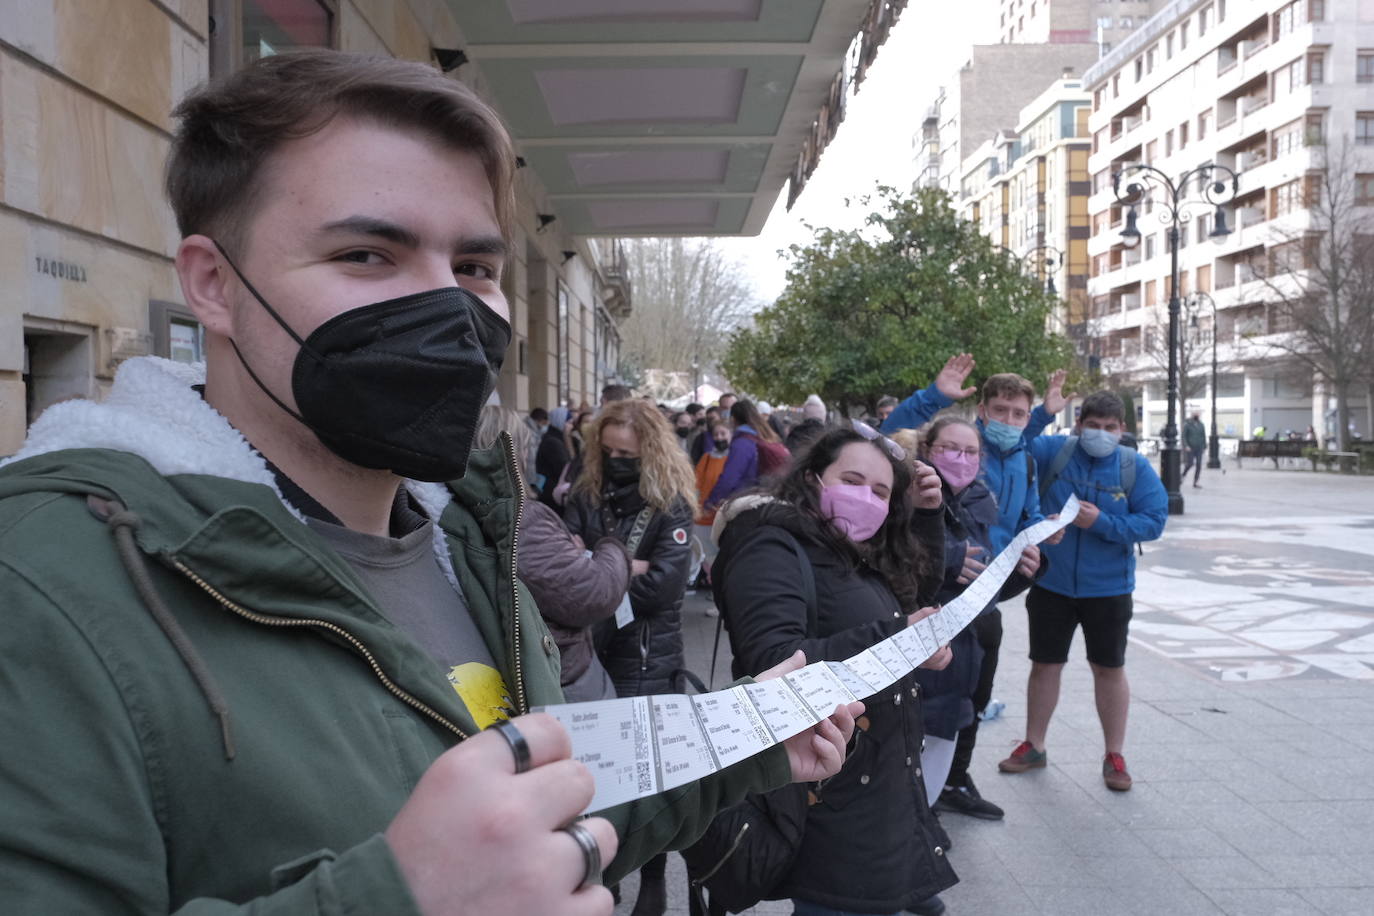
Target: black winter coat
[
  {"x": 870, "y": 844},
  {"x": 644, "y": 656},
  {"x": 549, "y": 461}
]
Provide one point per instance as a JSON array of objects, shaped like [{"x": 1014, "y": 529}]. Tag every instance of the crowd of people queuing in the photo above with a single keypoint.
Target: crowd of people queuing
[
  {"x": 823, "y": 534},
  {"x": 314, "y": 573}
]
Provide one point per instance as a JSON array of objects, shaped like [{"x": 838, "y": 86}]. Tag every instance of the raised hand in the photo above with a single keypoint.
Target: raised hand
[
  {"x": 1055, "y": 398},
  {"x": 950, "y": 381},
  {"x": 925, "y": 489}
]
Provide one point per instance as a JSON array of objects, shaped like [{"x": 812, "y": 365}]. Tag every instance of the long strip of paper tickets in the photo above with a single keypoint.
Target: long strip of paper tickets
[{"x": 639, "y": 746}]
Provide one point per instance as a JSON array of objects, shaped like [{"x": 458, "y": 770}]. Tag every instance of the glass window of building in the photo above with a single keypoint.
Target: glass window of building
[
  {"x": 1364, "y": 128},
  {"x": 1364, "y": 67},
  {"x": 244, "y": 30}
]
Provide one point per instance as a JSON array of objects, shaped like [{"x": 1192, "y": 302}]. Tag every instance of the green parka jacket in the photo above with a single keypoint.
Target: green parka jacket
[{"x": 243, "y": 753}]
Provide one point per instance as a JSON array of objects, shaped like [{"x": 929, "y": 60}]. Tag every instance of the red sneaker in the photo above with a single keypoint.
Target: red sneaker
[
  {"x": 1024, "y": 758},
  {"x": 1114, "y": 773}
]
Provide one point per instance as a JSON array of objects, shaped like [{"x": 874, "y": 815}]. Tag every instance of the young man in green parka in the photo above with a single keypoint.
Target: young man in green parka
[{"x": 254, "y": 615}]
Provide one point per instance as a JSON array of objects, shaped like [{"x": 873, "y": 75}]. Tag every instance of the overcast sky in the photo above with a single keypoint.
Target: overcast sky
[{"x": 873, "y": 146}]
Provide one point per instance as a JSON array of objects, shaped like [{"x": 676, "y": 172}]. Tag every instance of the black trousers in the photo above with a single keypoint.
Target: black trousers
[
  {"x": 1194, "y": 462},
  {"x": 988, "y": 629}
]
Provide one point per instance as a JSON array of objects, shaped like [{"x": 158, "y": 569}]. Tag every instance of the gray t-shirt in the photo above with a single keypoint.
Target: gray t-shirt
[{"x": 403, "y": 577}]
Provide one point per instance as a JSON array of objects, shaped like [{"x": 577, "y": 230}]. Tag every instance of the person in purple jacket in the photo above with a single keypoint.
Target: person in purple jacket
[{"x": 742, "y": 464}]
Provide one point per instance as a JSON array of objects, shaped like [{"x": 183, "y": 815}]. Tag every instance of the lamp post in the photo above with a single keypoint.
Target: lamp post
[
  {"x": 1213, "y": 445},
  {"x": 1133, "y": 185},
  {"x": 1043, "y": 259}
]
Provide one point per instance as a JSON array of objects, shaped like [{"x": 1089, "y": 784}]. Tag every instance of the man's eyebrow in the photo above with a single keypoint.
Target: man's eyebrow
[
  {"x": 373, "y": 226},
  {"x": 486, "y": 244}
]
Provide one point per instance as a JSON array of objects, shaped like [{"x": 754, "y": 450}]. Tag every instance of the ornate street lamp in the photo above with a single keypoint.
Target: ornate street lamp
[
  {"x": 1213, "y": 444},
  {"x": 1133, "y": 185}
]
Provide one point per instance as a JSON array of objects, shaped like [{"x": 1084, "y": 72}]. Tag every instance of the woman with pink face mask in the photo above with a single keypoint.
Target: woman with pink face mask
[
  {"x": 954, "y": 696},
  {"x": 870, "y": 845}
]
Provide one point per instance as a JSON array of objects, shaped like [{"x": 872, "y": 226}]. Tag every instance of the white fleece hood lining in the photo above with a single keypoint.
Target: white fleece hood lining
[{"x": 152, "y": 411}]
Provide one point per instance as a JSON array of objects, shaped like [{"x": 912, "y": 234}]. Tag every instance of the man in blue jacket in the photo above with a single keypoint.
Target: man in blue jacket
[
  {"x": 1091, "y": 575},
  {"x": 1006, "y": 423}
]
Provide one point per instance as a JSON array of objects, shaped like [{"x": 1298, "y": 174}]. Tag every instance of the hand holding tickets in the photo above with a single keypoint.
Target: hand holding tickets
[{"x": 640, "y": 746}]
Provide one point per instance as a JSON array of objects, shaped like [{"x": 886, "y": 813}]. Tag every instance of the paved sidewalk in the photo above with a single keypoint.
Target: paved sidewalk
[{"x": 1250, "y": 797}]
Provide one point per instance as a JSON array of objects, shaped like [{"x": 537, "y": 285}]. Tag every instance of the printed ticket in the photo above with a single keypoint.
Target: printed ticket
[
  {"x": 639, "y": 746},
  {"x": 684, "y": 752}
]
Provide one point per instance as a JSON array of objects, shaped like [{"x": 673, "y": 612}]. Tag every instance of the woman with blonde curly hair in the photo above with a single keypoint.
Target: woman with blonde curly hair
[{"x": 638, "y": 487}]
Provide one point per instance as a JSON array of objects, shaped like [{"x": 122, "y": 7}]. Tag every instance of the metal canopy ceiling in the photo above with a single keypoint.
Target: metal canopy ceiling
[{"x": 665, "y": 117}]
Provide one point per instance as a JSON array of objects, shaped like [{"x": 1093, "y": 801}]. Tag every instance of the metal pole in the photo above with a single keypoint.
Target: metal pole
[
  {"x": 1169, "y": 459},
  {"x": 1214, "y": 446}
]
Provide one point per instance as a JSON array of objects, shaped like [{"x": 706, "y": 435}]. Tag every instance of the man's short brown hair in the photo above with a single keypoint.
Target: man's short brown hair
[
  {"x": 230, "y": 127},
  {"x": 1008, "y": 385}
]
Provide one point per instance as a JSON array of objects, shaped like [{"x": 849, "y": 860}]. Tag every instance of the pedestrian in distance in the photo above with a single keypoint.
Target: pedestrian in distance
[
  {"x": 841, "y": 520},
  {"x": 1195, "y": 441},
  {"x": 295, "y": 607},
  {"x": 1005, "y": 420},
  {"x": 1091, "y": 576}
]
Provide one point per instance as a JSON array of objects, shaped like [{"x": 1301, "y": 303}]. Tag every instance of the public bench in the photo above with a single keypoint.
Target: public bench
[
  {"x": 1270, "y": 448},
  {"x": 1349, "y": 461}
]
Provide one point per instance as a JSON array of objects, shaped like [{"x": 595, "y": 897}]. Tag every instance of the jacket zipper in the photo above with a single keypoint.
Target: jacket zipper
[
  {"x": 339, "y": 631},
  {"x": 518, "y": 480}
]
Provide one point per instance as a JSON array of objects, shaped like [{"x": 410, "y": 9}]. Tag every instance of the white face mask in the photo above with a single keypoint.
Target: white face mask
[{"x": 1098, "y": 442}]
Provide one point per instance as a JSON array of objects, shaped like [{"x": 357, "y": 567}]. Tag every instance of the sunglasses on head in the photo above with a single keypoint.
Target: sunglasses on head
[{"x": 894, "y": 450}]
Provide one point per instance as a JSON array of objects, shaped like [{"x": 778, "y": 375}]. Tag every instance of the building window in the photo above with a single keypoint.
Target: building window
[
  {"x": 1364, "y": 190},
  {"x": 1204, "y": 123},
  {"x": 1204, "y": 17},
  {"x": 1364, "y": 128},
  {"x": 1149, "y": 246},
  {"x": 177, "y": 334},
  {"x": 1183, "y": 36},
  {"x": 1169, "y": 46},
  {"x": 1183, "y": 135},
  {"x": 1316, "y": 68},
  {"x": 1364, "y": 67},
  {"x": 1104, "y": 22},
  {"x": 1168, "y": 143},
  {"x": 244, "y": 30}
]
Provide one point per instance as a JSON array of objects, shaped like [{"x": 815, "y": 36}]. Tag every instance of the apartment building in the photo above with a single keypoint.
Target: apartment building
[
  {"x": 985, "y": 96},
  {"x": 1105, "y": 22},
  {"x": 670, "y": 118},
  {"x": 1267, "y": 88},
  {"x": 1027, "y": 189}
]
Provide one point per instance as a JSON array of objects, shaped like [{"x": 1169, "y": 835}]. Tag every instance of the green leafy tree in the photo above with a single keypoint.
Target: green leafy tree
[{"x": 878, "y": 311}]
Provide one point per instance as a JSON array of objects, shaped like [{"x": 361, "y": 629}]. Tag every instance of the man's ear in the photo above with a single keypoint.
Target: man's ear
[{"x": 205, "y": 283}]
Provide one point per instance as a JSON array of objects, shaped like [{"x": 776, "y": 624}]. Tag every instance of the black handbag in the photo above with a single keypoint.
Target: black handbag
[{"x": 749, "y": 848}]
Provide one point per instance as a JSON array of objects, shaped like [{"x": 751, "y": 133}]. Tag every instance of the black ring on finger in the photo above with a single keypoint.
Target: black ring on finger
[
  {"x": 519, "y": 747},
  {"x": 591, "y": 853}
]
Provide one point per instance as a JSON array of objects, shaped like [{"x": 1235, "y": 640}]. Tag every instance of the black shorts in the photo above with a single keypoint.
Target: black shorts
[{"x": 1053, "y": 618}]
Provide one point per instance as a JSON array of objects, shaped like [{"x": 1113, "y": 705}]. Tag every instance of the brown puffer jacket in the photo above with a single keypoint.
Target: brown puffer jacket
[{"x": 573, "y": 590}]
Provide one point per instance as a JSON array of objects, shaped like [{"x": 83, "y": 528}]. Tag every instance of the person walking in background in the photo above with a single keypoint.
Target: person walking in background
[
  {"x": 743, "y": 466},
  {"x": 1195, "y": 441},
  {"x": 708, "y": 471},
  {"x": 871, "y": 844},
  {"x": 1091, "y": 576},
  {"x": 573, "y": 587},
  {"x": 637, "y": 487}
]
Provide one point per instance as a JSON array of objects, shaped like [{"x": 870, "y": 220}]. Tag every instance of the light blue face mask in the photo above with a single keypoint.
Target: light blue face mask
[
  {"x": 1098, "y": 442},
  {"x": 1002, "y": 435}
]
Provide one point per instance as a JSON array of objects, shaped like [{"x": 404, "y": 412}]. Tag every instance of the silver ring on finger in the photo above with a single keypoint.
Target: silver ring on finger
[
  {"x": 591, "y": 853},
  {"x": 519, "y": 747}
]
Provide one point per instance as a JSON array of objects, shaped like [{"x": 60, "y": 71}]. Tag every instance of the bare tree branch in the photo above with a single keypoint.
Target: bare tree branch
[{"x": 689, "y": 296}]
